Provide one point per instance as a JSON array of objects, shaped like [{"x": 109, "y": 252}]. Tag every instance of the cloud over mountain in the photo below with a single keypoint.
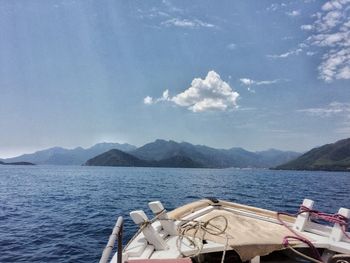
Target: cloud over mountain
[{"x": 208, "y": 94}]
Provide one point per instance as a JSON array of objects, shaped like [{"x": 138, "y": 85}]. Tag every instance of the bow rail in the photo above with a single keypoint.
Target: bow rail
[{"x": 117, "y": 234}]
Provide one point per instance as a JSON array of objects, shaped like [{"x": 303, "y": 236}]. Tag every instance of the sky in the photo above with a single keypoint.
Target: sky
[{"x": 252, "y": 74}]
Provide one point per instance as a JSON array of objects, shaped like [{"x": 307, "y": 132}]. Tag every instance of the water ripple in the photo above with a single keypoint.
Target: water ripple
[{"x": 66, "y": 214}]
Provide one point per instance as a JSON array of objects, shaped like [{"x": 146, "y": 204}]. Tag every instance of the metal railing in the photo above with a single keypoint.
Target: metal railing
[{"x": 117, "y": 234}]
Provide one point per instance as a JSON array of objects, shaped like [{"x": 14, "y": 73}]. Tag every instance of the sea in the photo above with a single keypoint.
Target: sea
[{"x": 66, "y": 213}]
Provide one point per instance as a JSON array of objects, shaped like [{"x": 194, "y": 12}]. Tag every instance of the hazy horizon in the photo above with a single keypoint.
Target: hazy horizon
[{"x": 250, "y": 74}]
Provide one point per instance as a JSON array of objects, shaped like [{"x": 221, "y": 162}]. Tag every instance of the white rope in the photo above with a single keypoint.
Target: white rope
[
  {"x": 200, "y": 228},
  {"x": 146, "y": 223},
  {"x": 304, "y": 256}
]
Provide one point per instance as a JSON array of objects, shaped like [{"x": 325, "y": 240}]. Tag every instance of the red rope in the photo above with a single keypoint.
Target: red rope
[
  {"x": 332, "y": 218},
  {"x": 296, "y": 236}
]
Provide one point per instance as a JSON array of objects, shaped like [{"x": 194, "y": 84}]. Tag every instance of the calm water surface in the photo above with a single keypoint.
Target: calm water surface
[{"x": 66, "y": 214}]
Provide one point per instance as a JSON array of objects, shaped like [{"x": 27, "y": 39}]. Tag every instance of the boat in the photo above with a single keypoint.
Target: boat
[{"x": 212, "y": 230}]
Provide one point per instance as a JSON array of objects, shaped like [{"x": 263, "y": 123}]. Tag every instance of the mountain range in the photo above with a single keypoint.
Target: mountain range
[
  {"x": 329, "y": 157},
  {"x": 158, "y": 153},
  {"x": 62, "y": 156},
  {"x": 119, "y": 158},
  {"x": 161, "y": 153}
]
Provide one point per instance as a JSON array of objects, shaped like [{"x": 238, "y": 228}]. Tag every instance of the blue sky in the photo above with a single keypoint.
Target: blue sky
[{"x": 252, "y": 74}]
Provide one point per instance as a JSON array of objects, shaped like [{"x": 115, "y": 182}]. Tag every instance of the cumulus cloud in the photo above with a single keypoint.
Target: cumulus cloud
[
  {"x": 148, "y": 100},
  {"x": 208, "y": 94},
  {"x": 331, "y": 31},
  {"x": 186, "y": 23}
]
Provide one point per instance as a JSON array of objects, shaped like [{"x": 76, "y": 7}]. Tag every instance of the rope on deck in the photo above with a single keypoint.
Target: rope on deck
[
  {"x": 201, "y": 228},
  {"x": 332, "y": 218}
]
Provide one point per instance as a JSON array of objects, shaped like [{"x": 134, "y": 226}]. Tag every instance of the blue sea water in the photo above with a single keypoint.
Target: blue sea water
[{"x": 66, "y": 213}]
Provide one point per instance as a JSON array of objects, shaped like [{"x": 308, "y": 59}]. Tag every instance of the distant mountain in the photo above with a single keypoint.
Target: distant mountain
[
  {"x": 119, "y": 158},
  {"x": 173, "y": 154},
  {"x": 61, "y": 156},
  {"x": 273, "y": 157},
  {"x": 160, "y": 153},
  {"x": 329, "y": 157},
  {"x": 178, "y": 161},
  {"x": 162, "y": 150},
  {"x": 115, "y": 158},
  {"x": 16, "y": 163}
]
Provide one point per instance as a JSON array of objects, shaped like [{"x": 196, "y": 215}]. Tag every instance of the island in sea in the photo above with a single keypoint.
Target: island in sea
[{"x": 329, "y": 157}]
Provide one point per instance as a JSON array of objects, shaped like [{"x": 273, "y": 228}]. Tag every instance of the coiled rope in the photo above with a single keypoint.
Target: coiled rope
[{"x": 201, "y": 228}]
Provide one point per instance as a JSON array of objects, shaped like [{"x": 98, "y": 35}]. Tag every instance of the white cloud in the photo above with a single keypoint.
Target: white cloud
[
  {"x": 306, "y": 27},
  {"x": 275, "y": 6},
  {"x": 333, "y": 5},
  {"x": 310, "y": 53},
  {"x": 170, "y": 15},
  {"x": 246, "y": 81},
  {"x": 209, "y": 94},
  {"x": 231, "y": 46},
  {"x": 165, "y": 96},
  {"x": 329, "y": 20},
  {"x": 330, "y": 40},
  {"x": 293, "y": 13},
  {"x": 331, "y": 31},
  {"x": 334, "y": 108},
  {"x": 187, "y": 23},
  {"x": 287, "y": 54},
  {"x": 171, "y": 8},
  {"x": 148, "y": 100},
  {"x": 335, "y": 65},
  {"x": 250, "y": 82}
]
